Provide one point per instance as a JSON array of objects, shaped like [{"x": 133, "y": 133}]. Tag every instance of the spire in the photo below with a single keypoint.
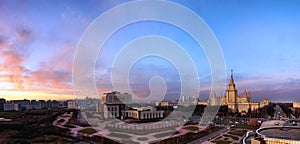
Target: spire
[
  {"x": 231, "y": 85},
  {"x": 231, "y": 77},
  {"x": 214, "y": 94},
  {"x": 245, "y": 93}
]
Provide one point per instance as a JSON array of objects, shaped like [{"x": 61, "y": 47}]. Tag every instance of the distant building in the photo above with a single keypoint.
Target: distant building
[
  {"x": 206, "y": 102},
  {"x": 2, "y": 101},
  {"x": 43, "y": 104},
  {"x": 24, "y": 104},
  {"x": 54, "y": 104},
  {"x": 296, "y": 104},
  {"x": 99, "y": 107},
  {"x": 27, "y": 104},
  {"x": 116, "y": 98},
  {"x": 72, "y": 104},
  {"x": 48, "y": 104},
  {"x": 188, "y": 99},
  {"x": 234, "y": 102},
  {"x": 87, "y": 103},
  {"x": 263, "y": 103},
  {"x": 167, "y": 103},
  {"x": 35, "y": 104},
  {"x": 11, "y": 107},
  {"x": 164, "y": 104},
  {"x": 8, "y": 107}
]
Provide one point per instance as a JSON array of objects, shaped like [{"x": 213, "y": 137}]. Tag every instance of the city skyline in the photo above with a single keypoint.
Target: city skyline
[{"x": 259, "y": 40}]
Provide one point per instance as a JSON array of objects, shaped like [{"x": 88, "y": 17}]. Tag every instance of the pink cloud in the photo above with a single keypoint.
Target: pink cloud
[{"x": 54, "y": 75}]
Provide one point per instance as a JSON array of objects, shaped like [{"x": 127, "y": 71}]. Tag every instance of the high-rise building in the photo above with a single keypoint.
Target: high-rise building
[
  {"x": 116, "y": 98},
  {"x": 113, "y": 103},
  {"x": 72, "y": 104},
  {"x": 234, "y": 102}
]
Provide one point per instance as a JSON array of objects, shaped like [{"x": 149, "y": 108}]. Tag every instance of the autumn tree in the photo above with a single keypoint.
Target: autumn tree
[{"x": 253, "y": 122}]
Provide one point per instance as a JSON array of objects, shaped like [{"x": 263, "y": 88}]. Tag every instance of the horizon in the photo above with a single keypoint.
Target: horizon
[{"x": 259, "y": 41}]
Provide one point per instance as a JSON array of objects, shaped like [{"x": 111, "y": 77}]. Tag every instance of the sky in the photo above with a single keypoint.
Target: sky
[{"x": 259, "y": 40}]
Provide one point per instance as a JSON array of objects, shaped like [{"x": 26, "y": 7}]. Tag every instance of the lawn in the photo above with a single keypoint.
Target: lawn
[
  {"x": 142, "y": 138},
  {"x": 138, "y": 132},
  {"x": 245, "y": 127},
  {"x": 231, "y": 136},
  {"x": 11, "y": 114},
  {"x": 191, "y": 128},
  {"x": 88, "y": 131},
  {"x": 238, "y": 132},
  {"x": 73, "y": 122}
]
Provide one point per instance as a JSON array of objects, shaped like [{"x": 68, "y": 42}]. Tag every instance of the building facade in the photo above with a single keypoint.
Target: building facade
[
  {"x": 11, "y": 107},
  {"x": 234, "y": 102},
  {"x": 72, "y": 104},
  {"x": 2, "y": 102},
  {"x": 296, "y": 104},
  {"x": 116, "y": 98},
  {"x": 143, "y": 113},
  {"x": 113, "y": 103}
]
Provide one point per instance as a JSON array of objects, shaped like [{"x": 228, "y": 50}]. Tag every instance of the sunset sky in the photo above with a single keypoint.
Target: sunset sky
[{"x": 260, "y": 40}]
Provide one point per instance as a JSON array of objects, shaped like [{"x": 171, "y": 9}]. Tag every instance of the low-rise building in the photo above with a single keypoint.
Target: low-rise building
[
  {"x": 143, "y": 113},
  {"x": 167, "y": 103},
  {"x": 114, "y": 106},
  {"x": 296, "y": 104},
  {"x": 35, "y": 104},
  {"x": 11, "y": 107}
]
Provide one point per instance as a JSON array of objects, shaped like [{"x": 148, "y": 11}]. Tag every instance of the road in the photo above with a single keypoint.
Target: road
[
  {"x": 206, "y": 138},
  {"x": 279, "y": 113}
]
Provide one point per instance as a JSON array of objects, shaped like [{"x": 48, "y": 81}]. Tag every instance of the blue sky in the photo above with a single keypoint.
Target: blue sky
[{"x": 259, "y": 40}]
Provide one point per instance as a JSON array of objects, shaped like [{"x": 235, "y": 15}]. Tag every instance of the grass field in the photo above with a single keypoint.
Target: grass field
[
  {"x": 191, "y": 128},
  {"x": 142, "y": 138},
  {"x": 238, "y": 132},
  {"x": 88, "y": 131},
  {"x": 160, "y": 135}
]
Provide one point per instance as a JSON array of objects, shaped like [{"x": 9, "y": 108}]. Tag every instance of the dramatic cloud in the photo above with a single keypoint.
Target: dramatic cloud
[
  {"x": 55, "y": 73},
  {"x": 13, "y": 53}
]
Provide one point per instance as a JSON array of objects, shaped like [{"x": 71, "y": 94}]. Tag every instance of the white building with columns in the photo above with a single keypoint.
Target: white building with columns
[{"x": 143, "y": 113}]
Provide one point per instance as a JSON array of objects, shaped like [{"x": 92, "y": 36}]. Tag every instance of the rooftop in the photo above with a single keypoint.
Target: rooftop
[{"x": 290, "y": 133}]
